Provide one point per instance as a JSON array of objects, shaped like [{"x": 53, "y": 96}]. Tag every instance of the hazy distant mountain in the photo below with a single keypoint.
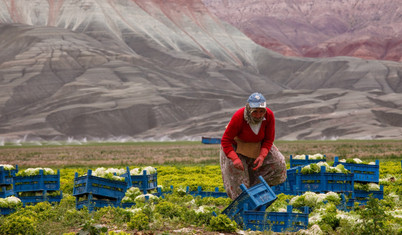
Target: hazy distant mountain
[
  {"x": 370, "y": 29},
  {"x": 157, "y": 69}
]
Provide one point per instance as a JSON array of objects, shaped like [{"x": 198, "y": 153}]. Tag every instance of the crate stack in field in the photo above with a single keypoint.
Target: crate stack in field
[
  {"x": 146, "y": 181},
  {"x": 297, "y": 183},
  {"x": 96, "y": 192},
  {"x": 248, "y": 210},
  {"x": 6, "y": 186},
  {"x": 6, "y": 181},
  {"x": 38, "y": 188},
  {"x": 363, "y": 174}
]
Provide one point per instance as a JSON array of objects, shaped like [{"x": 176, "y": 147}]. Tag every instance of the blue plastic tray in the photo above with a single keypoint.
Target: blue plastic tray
[
  {"x": 256, "y": 197},
  {"x": 203, "y": 194},
  {"x": 89, "y": 184},
  {"x": 363, "y": 196},
  {"x": 94, "y": 204},
  {"x": 37, "y": 183},
  {"x": 6, "y": 193},
  {"x": 33, "y": 200},
  {"x": 275, "y": 221},
  {"x": 285, "y": 188},
  {"x": 321, "y": 182},
  {"x": 362, "y": 172},
  {"x": 6, "y": 176},
  {"x": 6, "y": 211},
  {"x": 346, "y": 204},
  {"x": 127, "y": 204},
  {"x": 306, "y": 161},
  {"x": 209, "y": 140},
  {"x": 144, "y": 182},
  {"x": 288, "y": 187}
]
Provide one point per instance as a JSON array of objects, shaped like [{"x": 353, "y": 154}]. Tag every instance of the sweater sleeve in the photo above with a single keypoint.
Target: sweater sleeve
[
  {"x": 232, "y": 131},
  {"x": 269, "y": 137}
]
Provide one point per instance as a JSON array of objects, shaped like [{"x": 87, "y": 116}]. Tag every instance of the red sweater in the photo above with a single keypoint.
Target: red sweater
[{"x": 240, "y": 128}]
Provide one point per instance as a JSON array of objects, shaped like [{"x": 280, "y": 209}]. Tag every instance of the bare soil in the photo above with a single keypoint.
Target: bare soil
[{"x": 174, "y": 153}]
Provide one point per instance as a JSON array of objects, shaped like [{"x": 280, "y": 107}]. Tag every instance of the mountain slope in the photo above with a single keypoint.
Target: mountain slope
[
  {"x": 369, "y": 29},
  {"x": 157, "y": 69}
]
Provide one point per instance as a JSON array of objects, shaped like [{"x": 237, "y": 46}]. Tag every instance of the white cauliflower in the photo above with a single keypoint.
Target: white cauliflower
[
  {"x": 373, "y": 187},
  {"x": 7, "y": 167},
  {"x": 149, "y": 169},
  {"x": 142, "y": 198},
  {"x": 135, "y": 171},
  {"x": 300, "y": 157}
]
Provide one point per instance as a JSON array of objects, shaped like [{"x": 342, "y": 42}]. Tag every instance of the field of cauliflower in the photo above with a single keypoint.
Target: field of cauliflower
[{"x": 183, "y": 167}]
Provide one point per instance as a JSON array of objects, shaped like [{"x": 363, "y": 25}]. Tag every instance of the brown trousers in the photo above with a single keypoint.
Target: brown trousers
[{"x": 273, "y": 170}]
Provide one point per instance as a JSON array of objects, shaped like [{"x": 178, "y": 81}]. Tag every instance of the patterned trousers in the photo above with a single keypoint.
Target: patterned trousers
[{"x": 273, "y": 170}]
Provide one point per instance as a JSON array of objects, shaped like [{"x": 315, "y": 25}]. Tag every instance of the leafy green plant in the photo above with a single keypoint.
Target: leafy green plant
[
  {"x": 168, "y": 209},
  {"x": 139, "y": 221},
  {"x": 374, "y": 217},
  {"x": 19, "y": 224},
  {"x": 222, "y": 223},
  {"x": 330, "y": 218}
]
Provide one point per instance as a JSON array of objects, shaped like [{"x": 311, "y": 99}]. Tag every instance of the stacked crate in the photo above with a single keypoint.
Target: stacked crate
[
  {"x": 364, "y": 174},
  {"x": 257, "y": 197},
  {"x": 248, "y": 210},
  {"x": 306, "y": 161},
  {"x": 96, "y": 192},
  {"x": 6, "y": 186},
  {"x": 145, "y": 182},
  {"x": 321, "y": 182},
  {"x": 276, "y": 221},
  {"x": 38, "y": 188},
  {"x": 6, "y": 181},
  {"x": 288, "y": 186}
]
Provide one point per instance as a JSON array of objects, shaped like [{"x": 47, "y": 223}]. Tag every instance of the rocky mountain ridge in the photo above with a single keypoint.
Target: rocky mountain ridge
[
  {"x": 173, "y": 70},
  {"x": 366, "y": 29}
]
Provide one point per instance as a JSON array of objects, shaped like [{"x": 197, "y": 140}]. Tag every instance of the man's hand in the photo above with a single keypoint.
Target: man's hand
[
  {"x": 260, "y": 159},
  {"x": 236, "y": 160},
  {"x": 258, "y": 162},
  {"x": 238, "y": 164}
]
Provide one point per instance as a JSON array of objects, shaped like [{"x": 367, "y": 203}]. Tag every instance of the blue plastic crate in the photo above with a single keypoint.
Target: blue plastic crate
[
  {"x": 89, "y": 184},
  {"x": 210, "y": 140},
  {"x": 160, "y": 193},
  {"x": 144, "y": 182},
  {"x": 275, "y": 221},
  {"x": 4, "y": 192},
  {"x": 37, "y": 182},
  {"x": 362, "y": 196},
  {"x": 288, "y": 187},
  {"x": 346, "y": 204},
  {"x": 94, "y": 204},
  {"x": 127, "y": 204},
  {"x": 6, "y": 211},
  {"x": 306, "y": 161},
  {"x": 33, "y": 200},
  {"x": 321, "y": 182},
  {"x": 256, "y": 197},
  {"x": 285, "y": 188},
  {"x": 199, "y": 192},
  {"x": 6, "y": 176},
  {"x": 362, "y": 172}
]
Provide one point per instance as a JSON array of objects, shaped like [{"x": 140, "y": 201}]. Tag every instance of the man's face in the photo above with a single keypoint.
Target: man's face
[{"x": 258, "y": 114}]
